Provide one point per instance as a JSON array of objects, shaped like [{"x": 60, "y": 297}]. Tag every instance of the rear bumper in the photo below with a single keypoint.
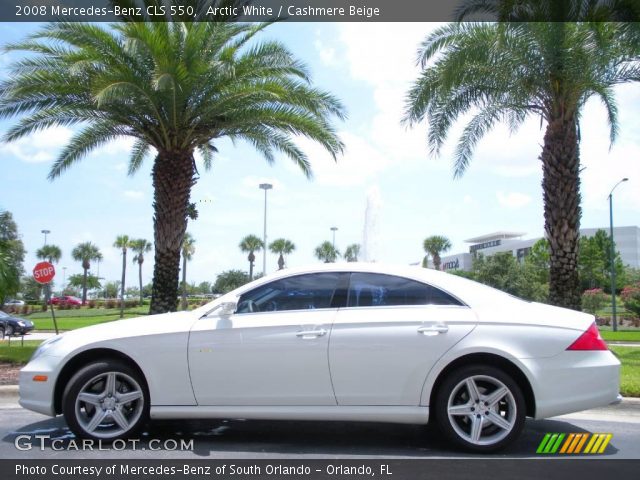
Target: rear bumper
[{"x": 574, "y": 381}]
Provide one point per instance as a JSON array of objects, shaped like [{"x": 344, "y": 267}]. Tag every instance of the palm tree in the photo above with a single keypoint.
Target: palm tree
[
  {"x": 123, "y": 242},
  {"x": 281, "y": 247},
  {"x": 510, "y": 71},
  {"x": 352, "y": 252},
  {"x": 51, "y": 253},
  {"x": 86, "y": 253},
  {"x": 188, "y": 249},
  {"x": 251, "y": 244},
  {"x": 177, "y": 89},
  {"x": 327, "y": 252},
  {"x": 434, "y": 246},
  {"x": 140, "y": 247}
]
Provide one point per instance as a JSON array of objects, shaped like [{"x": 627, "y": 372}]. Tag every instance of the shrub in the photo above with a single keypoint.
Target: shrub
[
  {"x": 593, "y": 300},
  {"x": 25, "y": 310},
  {"x": 631, "y": 298},
  {"x": 130, "y": 303},
  {"x": 110, "y": 303},
  {"x": 91, "y": 304}
]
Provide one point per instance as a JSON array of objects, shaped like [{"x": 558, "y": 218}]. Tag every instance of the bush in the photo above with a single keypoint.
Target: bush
[
  {"x": 91, "y": 304},
  {"x": 110, "y": 303},
  {"x": 130, "y": 303},
  {"x": 25, "y": 310},
  {"x": 593, "y": 300},
  {"x": 631, "y": 298}
]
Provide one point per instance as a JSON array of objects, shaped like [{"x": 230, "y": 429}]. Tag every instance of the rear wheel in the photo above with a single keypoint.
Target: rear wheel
[
  {"x": 480, "y": 408},
  {"x": 106, "y": 400},
  {"x": 1, "y": 333}
]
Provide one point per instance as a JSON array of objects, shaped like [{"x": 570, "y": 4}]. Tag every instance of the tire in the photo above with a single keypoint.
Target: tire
[
  {"x": 480, "y": 408},
  {"x": 1, "y": 333},
  {"x": 9, "y": 331},
  {"x": 106, "y": 400}
]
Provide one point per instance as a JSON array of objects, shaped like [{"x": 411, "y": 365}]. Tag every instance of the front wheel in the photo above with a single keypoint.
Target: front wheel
[
  {"x": 480, "y": 408},
  {"x": 9, "y": 331},
  {"x": 106, "y": 400}
]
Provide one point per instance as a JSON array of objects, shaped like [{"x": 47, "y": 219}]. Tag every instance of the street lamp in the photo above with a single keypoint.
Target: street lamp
[
  {"x": 613, "y": 257},
  {"x": 46, "y": 232},
  {"x": 64, "y": 276},
  {"x": 333, "y": 229},
  {"x": 265, "y": 187}
]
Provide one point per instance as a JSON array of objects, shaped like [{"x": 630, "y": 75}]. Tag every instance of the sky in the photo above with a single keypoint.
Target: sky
[{"x": 412, "y": 194}]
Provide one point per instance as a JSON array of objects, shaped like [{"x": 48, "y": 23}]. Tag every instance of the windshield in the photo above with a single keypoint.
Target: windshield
[{"x": 3, "y": 315}]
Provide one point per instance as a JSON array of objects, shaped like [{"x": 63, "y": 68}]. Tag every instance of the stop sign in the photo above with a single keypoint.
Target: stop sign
[{"x": 44, "y": 272}]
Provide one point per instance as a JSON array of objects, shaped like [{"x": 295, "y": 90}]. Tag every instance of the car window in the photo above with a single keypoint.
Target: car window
[
  {"x": 373, "y": 290},
  {"x": 300, "y": 292}
]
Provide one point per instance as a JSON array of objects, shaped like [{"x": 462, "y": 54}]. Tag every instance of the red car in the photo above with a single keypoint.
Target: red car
[{"x": 65, "y": 300}]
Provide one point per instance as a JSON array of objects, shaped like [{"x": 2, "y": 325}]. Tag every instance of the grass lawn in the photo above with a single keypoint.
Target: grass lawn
[
  {"x": 17, "y": 353},
  {"x": 83, "y": 317},
  {"x": 630, "y": 375},
  {"x": 621, "y": 335}
]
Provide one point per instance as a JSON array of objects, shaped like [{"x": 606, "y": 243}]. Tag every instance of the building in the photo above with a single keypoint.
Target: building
[{"x": 627, "y": 243}]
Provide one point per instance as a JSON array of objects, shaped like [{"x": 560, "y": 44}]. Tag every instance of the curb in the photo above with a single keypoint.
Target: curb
[{"x": 9, "y": 392}]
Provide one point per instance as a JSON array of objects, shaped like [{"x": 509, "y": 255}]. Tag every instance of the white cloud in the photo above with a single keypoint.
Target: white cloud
[
  {"x": 513, "y": 200},
  {"x": 39, "y": 147},
  {"x": 327, "y": 54},
  {"x": 360, "y": 162},
  {"x": 133, "y": 194}
]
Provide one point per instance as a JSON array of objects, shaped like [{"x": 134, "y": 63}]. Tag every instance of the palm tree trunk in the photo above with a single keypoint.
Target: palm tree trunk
[
  {"x": 173, "y": 177},
  {"x": 561, "y": 187},
  {"x": 251, "y": 259},
  {"x": 84, "y": 286},
  {"x": 140, "y": 280},
  {"x": 184, "y": 282},
  {"x": 124, "y": 269}
]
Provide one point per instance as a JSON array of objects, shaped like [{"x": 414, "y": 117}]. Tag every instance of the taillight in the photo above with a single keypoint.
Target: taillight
[{"x": 589, "y": 340}]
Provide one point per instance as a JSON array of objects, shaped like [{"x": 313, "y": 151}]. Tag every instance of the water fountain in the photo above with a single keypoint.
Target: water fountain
[{"x": 371, "y": 231}]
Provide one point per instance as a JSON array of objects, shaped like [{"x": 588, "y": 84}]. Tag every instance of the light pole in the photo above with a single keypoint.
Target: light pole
[
  {"x": 613, "y": 257},
  {"x": 334, "y": 229},
  {"x": 265, "y": 187},
  {"x": 46, "y": 232},
  {"x": 64, "y": 276}
]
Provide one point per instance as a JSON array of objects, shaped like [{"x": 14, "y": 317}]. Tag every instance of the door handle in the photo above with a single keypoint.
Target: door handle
[
  {"x": 311, "y": 333},
  {"x": 433, "y": 330}
]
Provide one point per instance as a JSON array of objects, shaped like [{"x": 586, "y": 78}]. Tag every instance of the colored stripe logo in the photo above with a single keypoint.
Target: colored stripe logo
[{"x": 574, "y": 443}]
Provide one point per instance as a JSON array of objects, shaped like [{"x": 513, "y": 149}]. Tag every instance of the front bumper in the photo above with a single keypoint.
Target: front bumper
[{"x": 38, "y": 396}]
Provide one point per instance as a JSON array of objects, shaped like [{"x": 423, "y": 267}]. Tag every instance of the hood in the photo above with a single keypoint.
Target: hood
[{"x": 175, "y": 322}]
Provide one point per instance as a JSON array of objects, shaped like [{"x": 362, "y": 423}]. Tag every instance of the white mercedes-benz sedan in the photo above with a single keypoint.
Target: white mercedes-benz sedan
[{"x": 348, "y": 342}]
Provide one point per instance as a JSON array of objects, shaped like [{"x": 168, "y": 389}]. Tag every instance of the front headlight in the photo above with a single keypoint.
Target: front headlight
[
  {"x": 44, "y": 346},
  {"x": 22, "y": 324}
]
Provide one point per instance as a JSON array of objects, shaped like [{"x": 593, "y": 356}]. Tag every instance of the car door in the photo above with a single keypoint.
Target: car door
[
  {"x": 391, "y": 333},
  {"x": 273, "y": 350}
]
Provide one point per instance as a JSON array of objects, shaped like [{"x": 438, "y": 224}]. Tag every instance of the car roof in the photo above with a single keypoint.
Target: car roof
[{"x": 469, "y": 292}]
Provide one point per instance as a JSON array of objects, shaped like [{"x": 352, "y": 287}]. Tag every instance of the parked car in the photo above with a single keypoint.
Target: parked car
[
  {"x": 14, "y": 303},
  {"x": 350, "y": 342},
  {"x": 15, "y": 325},
  {"x": 65, "y": 300}
]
